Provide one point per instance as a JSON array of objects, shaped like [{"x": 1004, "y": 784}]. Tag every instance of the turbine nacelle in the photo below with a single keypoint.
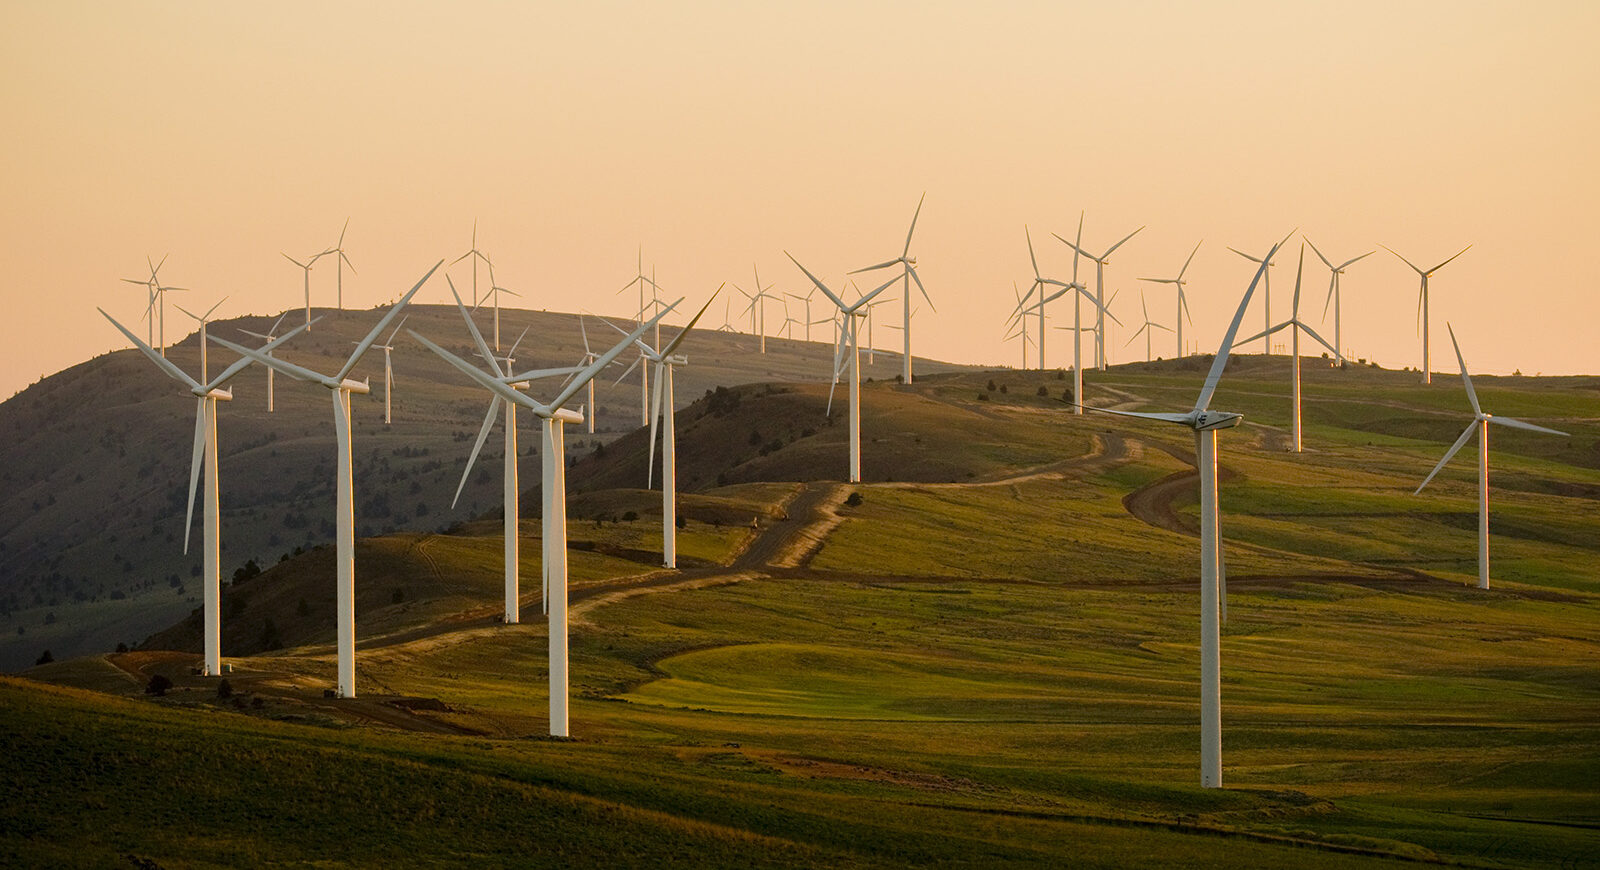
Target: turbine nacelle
[
  {"x": 219, "y": 394},
  {"x": 1204, "y": 420},
  {"x": 565, "y": 415}
]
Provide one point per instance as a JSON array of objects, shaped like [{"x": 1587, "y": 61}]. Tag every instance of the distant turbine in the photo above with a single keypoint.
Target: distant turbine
[
  {"x": 494, "y": 291},
  {"x": 510, "y": 491},
  {"x": 1018, "y": 325},
  {"x": 554, "y": 492},
  {"x": 341, "y": 261},
  {"x": 1480, "y": 424},
  {"x": 157, "y": 306},
  {"x": 1205, "y": 424},
  {"x": 1333, "y": 297},
  {"x": 306, "y": 269},
  {"x": 1148, "y": 328},
  {"x": 1422, "y": 305},
  {"x": 758, "y": 306},
  {"x": 1183, "y": 303},
  {"x": 908, "y": 274},
  {"x": 589, "y": 356},
  {"x": 1042, "y": 284},
  {"x": 642, "y": 280},
  {"x": 205, "y": 449},
  {"x": 1294, "y": 324},
  {"x": 1266, "y": 298},
  {"x": 476, "y": 255},
  {"x": 848, "y": 336},
  {"x": 340, "y": 386},
  {"x": 388, "y": 371},
  {"x": 807, "y": 300},
  {"x": 269, "y": 338},
  {"x": 1099, "y": 287},
  {"x": 202, "y": 319},
  {"x": 665, "y": 361}
]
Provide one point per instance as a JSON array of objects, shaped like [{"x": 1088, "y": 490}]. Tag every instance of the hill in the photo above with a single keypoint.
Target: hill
[{"x": 94, "y": 462}]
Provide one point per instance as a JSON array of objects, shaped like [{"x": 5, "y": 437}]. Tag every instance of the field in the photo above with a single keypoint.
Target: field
[{"x": 991, "y": 658}]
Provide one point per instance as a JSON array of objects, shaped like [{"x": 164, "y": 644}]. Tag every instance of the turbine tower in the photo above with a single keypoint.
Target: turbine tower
[
  {"x": 1333, "y": 297},
  {"x": 554, "y": 491},
  {"x": 1099, "y": 289},
  {"x": 388, "y": 371},
  {"x": 202, "y": 319},
  {"x": 665, "y": 361},
  {"x": 1266, "y": 298},
  {"x": 1294, "y": 324},
  {"x": 494, "y": 291},
  {"x": 305, "y": 268},
  {"x": 908, "y": 274},
  {"x": 156, "y": 307},
  {"x": 1205, "y": 424},
  {"x": 341, "y": 386},
  {"x": 476, "y": 255},
  {"x": 848, "y": 335},
  {"x": 1183, "y": 303},
  {"x": 1422, "y": 305},
  {"x": 268, "y": 338},
  {"x": 205, "y": 451},
  {"x": 1480, "y": 424}
]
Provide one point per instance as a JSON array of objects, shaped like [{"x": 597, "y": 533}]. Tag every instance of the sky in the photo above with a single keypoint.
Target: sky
[{"x": 715, "y": 136}]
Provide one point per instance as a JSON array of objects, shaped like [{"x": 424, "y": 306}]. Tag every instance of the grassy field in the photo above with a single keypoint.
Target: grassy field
[{"x": 970, "y": 669}]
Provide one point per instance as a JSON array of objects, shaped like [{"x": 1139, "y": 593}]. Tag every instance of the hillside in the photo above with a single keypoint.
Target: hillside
[{"x": 91, "y": 529}]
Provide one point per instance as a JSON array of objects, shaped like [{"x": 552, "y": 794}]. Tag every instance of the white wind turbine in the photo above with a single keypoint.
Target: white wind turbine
[
  {"x": 305, "y": 268},
  {"x": 1333, "y": 297},
  {"x": 156, "y": 306},
  {"x": 554, "y": 491},
  {"x": 476, "y": 255},
  {"x": 1042, "y": 284},
  {"x": 494, "y": 291},
  {"x": 909, "y": 274},
  {"x": 589, "y": 356},
  {"x": 757, "y": 306},
  {"x": 1205, "y": 424},
  {"x": 806, "y": 299},
  {"x": 1017, "y": 322},
  {"x": 643, "y": 280},
  {"x": 1294, "y": 324},
  {"x": 205, "y": 451},
  {"x": 202, "y": 319},
  {"x": 341, "y": 386},
  {"x": 1183, "y": 302},
  {"x": 1100, "y": 263},
  {"x": 665, "y": 361},
  {"x": 849, "y": 335},
  {"x": 388, "y": 371},
  {"x": 510, "y": 491},
  {"x": 1480, "y": 424},
  {"x": 270, "y": 336},
  {"x": 1422, "y": 305},
  {"x": 340, "y": 262},
  {"x": 1101, "y": 313},
  {"x": 1148, "y": 329},
  {"x": 1266, "y": 298}
]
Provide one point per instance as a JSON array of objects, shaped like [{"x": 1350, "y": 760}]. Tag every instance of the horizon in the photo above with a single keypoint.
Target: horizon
[{"x": 714, "y": 136}]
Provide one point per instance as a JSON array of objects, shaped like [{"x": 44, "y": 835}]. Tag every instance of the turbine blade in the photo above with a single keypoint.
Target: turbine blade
[
  {"x": 1408, "y": 262},
  {"x": 1031, "y": 258},
  {"x": 1454, "y": 448},
  {"x": 1347, "y": 263},
  {"x": 383, "y": 324},
  {"x": 914, "y": 216},
  {"x": 879, "y": 289},
  {"x": 1319, "y": 339},
  {"x": 1299, "y": 270},
  {"x": 493, "y": 385},
  {"x": 583, "y": 377},
  {"x": 820, "y": 286},
  {"x": 1107, "y": 254},
  {"x": 1186, "y": 263},
  {"x": 194, "y": 466},
  {"x": 512, "y": 353},
  {"x": 655, "y": 414},
  {"x": 1442, "y": 265},
  {"x": 913, "y": 271},
  {"x": 299, "y": 373},
  {"x": 396, "y": 332},
  {"x": 1319, "y": 254},
  {"x": 162, "y": 362},
  {"x": 472, "y": 327},
  {"x": 884, "y": 265},
  {"x": 1143, "y": 415},
  {"x": 483, "y": 434},
  {"x": 1220, "y": 362},
  {"x": 1472, "y": 395},
  {"x": 1519, "y": 424},
  {"x": 673, "y": 345},
  {"x": 243, "y": 363}
]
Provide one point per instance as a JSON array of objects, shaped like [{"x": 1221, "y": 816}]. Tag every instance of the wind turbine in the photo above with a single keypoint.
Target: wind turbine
[
  {"x": 589, "y": 356},
  {"x": 1148, "y": 328},
  {"x": 1480, "y": 424},
  {"x": 202, "y": 319},
  {"x": 665, "y": 361},
  {"x": 848, "y": 335},
  {"x": 1266, "y": 297},
  {"x": 554, "y": 491},
  {"x": 758, "y": 306},
  {"x": 510, "y": 492},
  {"x": 388, "y": 371},
  {"x": 1183, "y": 303},
  {"x": 494, "y": 291},
  {"x": 306, "y": 269},
  {"x": 157, "y": 306},
  {"x": 341, "y": 261},
  {"x": 205, "y": 451},
  {"x": 807, "y": 300},
  {"x": 1018, "y": 322},
  {"x": 1101, "y": 312},
  {"x": 1422, "y": 305},
  {"x": 341, "y": 386},
  {"x": 1205, "y": 424},
  {"x": 1099, "y": 288},
  {"x": 1295, "y": 324},
  {"x": 1042, "y": 284},
  {"x": 1333, "y": 296},
  {"x": 909, "y": 274},
  {"x": 269, "y": 337},
  {"x": 476, "y": 255}
]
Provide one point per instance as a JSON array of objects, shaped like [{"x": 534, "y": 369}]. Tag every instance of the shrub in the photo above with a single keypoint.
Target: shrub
[
  {"x": 983, "y": 397},
  {"x": 157, "y": 686},
  {"x": 45, "y": 659},
  {"x": 397, "y": 596},
  {"x": 1002, "y": 388},
  {"x": 991, "y": 385},
  {"x": 1044, "y": 390},
  {"x": 681, "y": 522},
  {"x": 224, "y": 689},
  {"x": 854, "y": 500},
  {"x": 629, "y": 516}
]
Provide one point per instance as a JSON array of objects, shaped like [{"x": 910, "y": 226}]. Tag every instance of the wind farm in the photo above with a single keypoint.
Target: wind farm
[{"x": 803, "y": 600}]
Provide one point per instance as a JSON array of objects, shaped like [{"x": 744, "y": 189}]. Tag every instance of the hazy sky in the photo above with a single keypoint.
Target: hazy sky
[{"x": 721, "y": 134}]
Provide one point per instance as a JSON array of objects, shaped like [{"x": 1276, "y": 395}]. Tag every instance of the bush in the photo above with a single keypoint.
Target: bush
[
  {"x": 45, "y": 659},
  {"x": 983, "y": 397},
  {"x": 991, "y": 385},
  {"x": 1002, "y": 388},
  {"x": 224, "y": 689},
  {"x": 629, "y": 516},
  {"x": 1044, "y": 390},
  {"x": 681, "y": 522},
  {"x": 157, "y": 686},
  {"x": 397, "y": 596},
  {"x": 854, "y": 500}
]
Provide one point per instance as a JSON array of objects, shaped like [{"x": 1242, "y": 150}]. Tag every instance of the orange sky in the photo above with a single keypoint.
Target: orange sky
[{"x": 717, "y": 134}]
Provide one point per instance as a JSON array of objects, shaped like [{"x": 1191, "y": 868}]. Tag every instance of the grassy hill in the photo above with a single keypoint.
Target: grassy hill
[{"x": 91, "y": 529}]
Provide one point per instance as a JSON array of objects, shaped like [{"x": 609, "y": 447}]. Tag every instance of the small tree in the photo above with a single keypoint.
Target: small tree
[
  {"x": 224, "y": 689},
  {"x": 45, "y": 659},
  {"x": 157, "y": 686},
  {"x": 854, "y": 500},
  {"x": 1044, "y": 390}
]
